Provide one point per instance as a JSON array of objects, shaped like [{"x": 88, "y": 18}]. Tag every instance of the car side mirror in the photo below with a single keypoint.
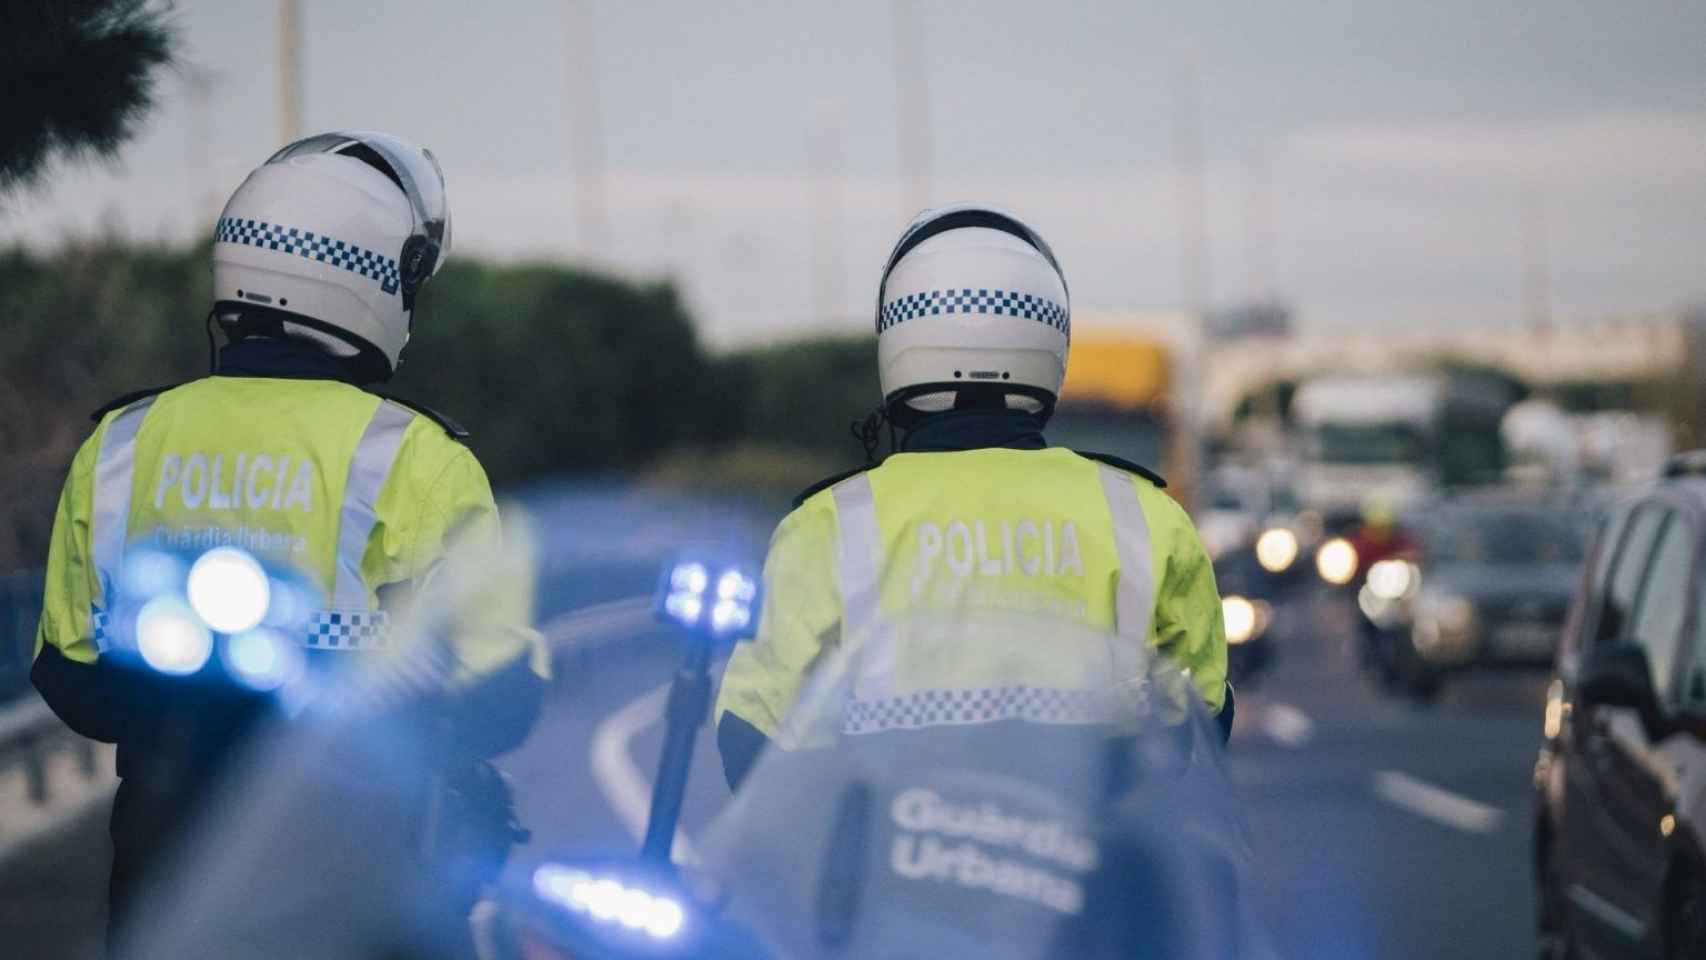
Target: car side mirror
[{"x": 1619, "y": 675}]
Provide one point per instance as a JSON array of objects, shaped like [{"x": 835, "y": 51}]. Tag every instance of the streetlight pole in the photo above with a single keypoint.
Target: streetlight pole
[
  {"x": 912, "y": 87},
  {"x": 289, "y": 71},
  {"x": 824, "y": 160},
  {"x": 1536, "y": 272},
  {"x": 1189, "y": 193},
  {"x": 586, "y": 127}
]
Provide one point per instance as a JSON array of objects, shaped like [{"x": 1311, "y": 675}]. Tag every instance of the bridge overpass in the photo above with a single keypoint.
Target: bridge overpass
[{"x": 1602, "y": 351}]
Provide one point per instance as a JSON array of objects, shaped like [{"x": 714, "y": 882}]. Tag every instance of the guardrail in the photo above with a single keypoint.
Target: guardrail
[
  {"x": 29, "y": 735},
  {"x": 20, "y": 606}
]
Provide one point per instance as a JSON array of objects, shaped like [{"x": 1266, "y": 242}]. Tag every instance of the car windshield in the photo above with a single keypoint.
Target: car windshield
[
  {"x": 1507, "y": 537},
  {"x": 1368, "y": 443}
]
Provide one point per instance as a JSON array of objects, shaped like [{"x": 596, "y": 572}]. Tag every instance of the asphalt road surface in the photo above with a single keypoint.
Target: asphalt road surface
[{"x": 1381, "y": 829}]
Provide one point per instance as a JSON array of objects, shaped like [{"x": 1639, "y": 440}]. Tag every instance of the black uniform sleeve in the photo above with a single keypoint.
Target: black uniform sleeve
[
  {"x": 740, "y": 743},
  {"x": 101, "y": 700},
  {"x": 495, "y": 715}
]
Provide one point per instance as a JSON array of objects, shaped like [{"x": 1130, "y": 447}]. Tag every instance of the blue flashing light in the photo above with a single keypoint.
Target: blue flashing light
[
  {"x": 262, "y": 659},
  {"x": 720, "y": 605},
  {"x": 610, "y": 901},
  {"x": 170, "y": 638}
]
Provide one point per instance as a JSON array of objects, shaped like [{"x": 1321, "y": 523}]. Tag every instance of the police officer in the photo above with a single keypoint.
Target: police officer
[
  {"x": 974, "y": 509},
  {"x": 318, "y": 259}
]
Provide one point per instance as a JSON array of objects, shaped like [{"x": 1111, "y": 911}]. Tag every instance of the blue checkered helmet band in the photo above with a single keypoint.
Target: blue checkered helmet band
[
  {"x": 967, "y": 300},
  {"x": 310, "y": 246}
]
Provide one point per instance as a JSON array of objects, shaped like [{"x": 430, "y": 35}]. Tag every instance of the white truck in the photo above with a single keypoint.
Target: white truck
[{"x": 1394, "y": 439}]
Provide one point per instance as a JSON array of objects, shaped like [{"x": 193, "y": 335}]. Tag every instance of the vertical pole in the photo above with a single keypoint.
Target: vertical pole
[
  {"x": 1536, "y": 271},
  {"x": 824, "y": 159},
  {"x": 586, "y": 127},
  {"x": 689, "y": 701},
  {"x": 1259, "y": 231},
  {"x": 203, "y": 198},
  {"x": 1189, "y": 192},
  {"x": 289, "y": 71},
  {"x": 912, "y": 87}
]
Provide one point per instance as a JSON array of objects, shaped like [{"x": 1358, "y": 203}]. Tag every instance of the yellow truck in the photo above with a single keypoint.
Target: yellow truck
[{"x": 1118, "y": 400}]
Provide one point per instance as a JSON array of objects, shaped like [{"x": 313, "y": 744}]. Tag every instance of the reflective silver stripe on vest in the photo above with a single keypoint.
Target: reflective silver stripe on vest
[
  {"x": 860, "y": 555},
  {"x": 360, "y": 512},
  {"x": 1134, "y": 595},
  {"x": 115, "y": 472}
]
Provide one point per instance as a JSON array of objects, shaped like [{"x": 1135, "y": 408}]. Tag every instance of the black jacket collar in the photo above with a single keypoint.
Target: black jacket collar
[
  {"x": 280, "y": 359},
  {"x": 974, "y": 430}
]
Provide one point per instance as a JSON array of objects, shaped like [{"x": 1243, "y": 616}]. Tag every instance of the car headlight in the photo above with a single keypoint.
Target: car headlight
[
  {"x": 1445, "y": 626},
  {"x": 1393, "y": 579},
  {"x": 1336, "y": 561},
  {"x": 1276, "y": 549},
  {"x": 1244, "y": 619}
]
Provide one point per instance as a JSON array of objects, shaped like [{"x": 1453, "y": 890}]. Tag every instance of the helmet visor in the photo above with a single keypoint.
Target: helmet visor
[{"x": 414, "y": 168}]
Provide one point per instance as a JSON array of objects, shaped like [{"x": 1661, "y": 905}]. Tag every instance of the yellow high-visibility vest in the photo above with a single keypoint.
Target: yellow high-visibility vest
[
  {"x": 350, "y": 491},
  {"x": 1001, "y": 533}
]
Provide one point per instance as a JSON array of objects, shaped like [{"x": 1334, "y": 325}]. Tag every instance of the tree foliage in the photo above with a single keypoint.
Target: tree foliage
[
  {"x": 553, "y": 369},
  {"x": 78, "y": 77}
]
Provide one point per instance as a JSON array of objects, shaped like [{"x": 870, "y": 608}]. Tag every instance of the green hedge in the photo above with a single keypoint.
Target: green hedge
[{"x": 553, "y": 369}]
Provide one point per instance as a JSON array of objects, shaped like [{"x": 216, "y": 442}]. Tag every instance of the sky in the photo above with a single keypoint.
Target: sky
[{"x": 1372, "y": 163}]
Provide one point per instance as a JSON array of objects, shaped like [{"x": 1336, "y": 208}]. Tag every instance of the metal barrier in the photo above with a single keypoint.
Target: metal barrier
[
  {"x": 20, "y": 607},
  {"x": 29, "y": 734}
]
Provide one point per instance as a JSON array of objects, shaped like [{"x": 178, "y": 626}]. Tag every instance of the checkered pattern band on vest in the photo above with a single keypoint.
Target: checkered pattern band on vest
[
  {"x": 345, "y": 630},
  {"x": 940, "y": 708},
  {"x": 100, "y": 628},
  {"x": 967, "y": 300},
  {"x": 310, "y": 246}
]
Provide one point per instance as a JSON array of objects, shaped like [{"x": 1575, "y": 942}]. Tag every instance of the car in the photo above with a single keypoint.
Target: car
[
  {"x": 1620, "y": 784},
  {"x": 1484, "y": 582}
]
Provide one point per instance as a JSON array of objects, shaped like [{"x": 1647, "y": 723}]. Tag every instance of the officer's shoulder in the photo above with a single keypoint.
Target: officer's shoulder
[
  {"x": 132, "y": 398},
  {"x": 451, "y": 428},
  {"x": 824, "y": 484},
  {"x": 1120, "y": 463}
]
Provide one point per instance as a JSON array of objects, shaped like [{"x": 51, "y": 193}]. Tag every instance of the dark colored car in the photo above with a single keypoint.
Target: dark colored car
[
  {"x": 1486, "y": 585},
  {"x": 1619, "y": 847}
]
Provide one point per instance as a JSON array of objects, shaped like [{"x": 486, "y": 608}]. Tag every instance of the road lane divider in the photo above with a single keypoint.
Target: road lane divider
[
  {"x": 1286, "y": 725},
  {"x": 1436, "y": 803},
  {"x": 624, "y": 786},
  {"x": 590, "y": 627}
]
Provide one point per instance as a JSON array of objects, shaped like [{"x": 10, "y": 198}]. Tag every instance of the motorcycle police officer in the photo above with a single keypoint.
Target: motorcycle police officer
[
  {"x": 317, "y": 262},
  {"x": 974, "y": 510}
]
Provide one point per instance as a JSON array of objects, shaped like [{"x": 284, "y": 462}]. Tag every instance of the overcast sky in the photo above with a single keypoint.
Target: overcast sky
[{"x": 1397, "y": 142}]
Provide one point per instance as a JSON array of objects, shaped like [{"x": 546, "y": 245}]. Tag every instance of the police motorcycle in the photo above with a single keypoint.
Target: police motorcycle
[
  {"x": 1050, "y": 811},
  {"x": 1072, "y": 803},
  {"x": 341, "y": 773}
]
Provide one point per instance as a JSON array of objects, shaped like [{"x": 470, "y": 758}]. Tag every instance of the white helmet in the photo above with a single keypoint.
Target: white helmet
[
  {"x": 331, "y": 239},
  {"x": 972, "y": 307}
]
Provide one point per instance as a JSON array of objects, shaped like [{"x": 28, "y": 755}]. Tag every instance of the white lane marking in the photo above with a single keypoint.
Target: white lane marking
[
  {"x": 624, "y": 786},
  {"x": 1286, "y": 725},
  {"x": 600, "y": 623},
  {"x": 1436, "y": 803}
]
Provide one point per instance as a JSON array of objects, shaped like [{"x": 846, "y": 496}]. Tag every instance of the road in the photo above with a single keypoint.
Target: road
[{"x": 1381, "y": 829}]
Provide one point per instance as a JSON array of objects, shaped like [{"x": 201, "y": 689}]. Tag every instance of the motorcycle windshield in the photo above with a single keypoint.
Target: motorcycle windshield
[{"x": 995, "y": 787}]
